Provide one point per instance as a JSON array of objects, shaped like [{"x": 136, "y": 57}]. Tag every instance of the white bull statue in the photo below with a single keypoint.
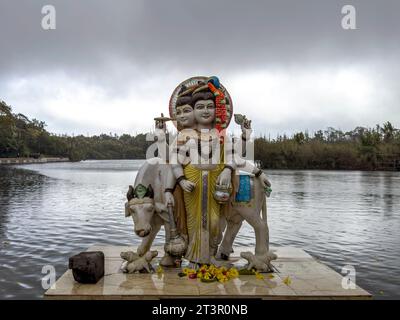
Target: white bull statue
[{"x": 146, "y": 205}]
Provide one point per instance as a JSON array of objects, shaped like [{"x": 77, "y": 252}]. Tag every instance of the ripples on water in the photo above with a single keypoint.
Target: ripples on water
[{"x": 49, "y": 212}]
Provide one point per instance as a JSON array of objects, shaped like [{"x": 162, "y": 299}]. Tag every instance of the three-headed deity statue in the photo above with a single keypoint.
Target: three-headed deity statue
[{"x": 203, "y": 109}]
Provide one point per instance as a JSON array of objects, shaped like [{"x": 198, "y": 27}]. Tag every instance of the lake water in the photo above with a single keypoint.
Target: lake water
[{"x": 49, "y": 212}]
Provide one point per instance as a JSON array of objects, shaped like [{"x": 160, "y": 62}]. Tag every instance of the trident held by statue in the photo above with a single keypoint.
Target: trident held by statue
[{"x": 176, "y": 246}]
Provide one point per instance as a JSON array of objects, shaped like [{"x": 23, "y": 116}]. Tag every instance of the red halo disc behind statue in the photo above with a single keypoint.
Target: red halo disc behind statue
[{"x": 191, "y": 82}]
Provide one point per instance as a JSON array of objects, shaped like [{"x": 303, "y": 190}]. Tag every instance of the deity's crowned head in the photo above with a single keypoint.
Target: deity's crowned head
[
  {"x": 203, "y": 103},
  {"x": 184, "y": 113}
]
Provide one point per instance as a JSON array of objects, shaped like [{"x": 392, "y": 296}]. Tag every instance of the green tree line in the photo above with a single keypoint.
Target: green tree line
[
  {"x": 22, "y": 137},
  {"x": 360, "y": 149}
]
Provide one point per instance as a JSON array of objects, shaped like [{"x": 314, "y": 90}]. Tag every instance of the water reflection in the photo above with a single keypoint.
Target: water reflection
[
  {"x": 57, "y": 210},
  {"x": 388, "y": 198}
]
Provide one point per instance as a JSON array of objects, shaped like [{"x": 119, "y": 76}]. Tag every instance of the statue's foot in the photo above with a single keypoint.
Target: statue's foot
[
  {"x": 223, "y": 254},
  {"x": 220, "y": 263},
  {"x": 194, "y": 265},
  {"x": 129, "y": 256},
  {"x": 124, "y": 267},
  {"x": 261, "y": 263},
  {"x": 272, "y": 256},
  {"x": 267, "y": 258},
  {"x": 168, "y": 261}
]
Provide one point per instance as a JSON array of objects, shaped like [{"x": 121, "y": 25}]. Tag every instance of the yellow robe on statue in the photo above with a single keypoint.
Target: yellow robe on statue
[{"x": 202, "y": 214}]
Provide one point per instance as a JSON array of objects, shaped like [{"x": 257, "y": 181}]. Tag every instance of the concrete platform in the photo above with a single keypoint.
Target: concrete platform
[
  {"x": 31, "y": 160},
  {"x": 309, "y": 279}
]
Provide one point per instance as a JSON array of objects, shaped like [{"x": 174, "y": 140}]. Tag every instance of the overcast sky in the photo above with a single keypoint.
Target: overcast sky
[{"x": 111, "y": 66}]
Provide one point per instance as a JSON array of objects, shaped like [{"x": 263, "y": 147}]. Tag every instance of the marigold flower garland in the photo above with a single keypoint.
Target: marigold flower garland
[{"x": 210, "y": 273}]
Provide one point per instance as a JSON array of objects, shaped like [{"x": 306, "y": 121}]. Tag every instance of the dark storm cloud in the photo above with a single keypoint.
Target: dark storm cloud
[
  {"x": 181, "y": 34},
  {"x": 120, "y": 44}
]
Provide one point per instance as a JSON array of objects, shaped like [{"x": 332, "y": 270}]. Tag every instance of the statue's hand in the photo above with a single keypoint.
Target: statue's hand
[
  {"x": 160, "y": 124},
  {"x": 169, "y": 198},
  {"x": 187, "y": 185},
  {"x": 264, "y": 180},
  {"x": 246, "y": 128},
  {"x": 246, "y": 124},
  {"x": 225, "y": 177}
]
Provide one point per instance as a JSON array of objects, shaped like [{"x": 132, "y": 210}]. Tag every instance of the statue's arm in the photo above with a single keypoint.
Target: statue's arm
[
  {"x": 249, "y": 167},
  {"x": 170, "y": 182},
  {"x": 170, "y": 177},
  {"x": 179, "y": 174},
  {"x": 176, "y": 175},
  {"x": 240, "y": 162},
  {"x": 180, "y": 157},
  {"x": 177, "y": 170}
]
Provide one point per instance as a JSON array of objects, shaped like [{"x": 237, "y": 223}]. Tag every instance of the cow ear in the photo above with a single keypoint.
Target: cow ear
[
  {"x": 127, "y": 212},
  {"x": 130, "y": 194},
  {"x": 150, "y": 192},
  {"x": 162, "y": 211}
]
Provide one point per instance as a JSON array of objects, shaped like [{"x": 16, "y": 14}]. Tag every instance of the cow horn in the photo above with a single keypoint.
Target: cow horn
[
  {"x": 129, "y": 194},
  {"x": 150, "y": 192}
]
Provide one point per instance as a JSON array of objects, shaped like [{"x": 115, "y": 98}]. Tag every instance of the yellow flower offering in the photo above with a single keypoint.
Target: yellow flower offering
[
  {"x": 211, "y": 273},
  {"x": 287, "y": 281},
  {"x": 188, "y": 271}
]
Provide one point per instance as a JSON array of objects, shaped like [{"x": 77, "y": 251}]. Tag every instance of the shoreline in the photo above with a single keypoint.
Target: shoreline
[{"x": 14, "y": 161}]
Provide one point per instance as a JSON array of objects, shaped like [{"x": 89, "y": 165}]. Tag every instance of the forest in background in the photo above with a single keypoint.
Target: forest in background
[{"x": 363, "y": 148}]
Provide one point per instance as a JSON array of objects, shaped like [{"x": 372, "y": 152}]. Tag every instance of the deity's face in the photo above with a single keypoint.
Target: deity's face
[
  {"x": 204, "y": 113},
  {"x": 185, "y": 116}
]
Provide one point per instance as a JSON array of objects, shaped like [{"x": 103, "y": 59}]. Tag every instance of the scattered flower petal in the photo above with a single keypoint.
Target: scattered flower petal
[
  {"x": 259, "y": 276},
  {"x": 287, "y": 280}
]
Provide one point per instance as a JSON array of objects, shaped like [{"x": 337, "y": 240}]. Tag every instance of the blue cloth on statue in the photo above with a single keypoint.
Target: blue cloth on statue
[{"x": 244, "y": 191}]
